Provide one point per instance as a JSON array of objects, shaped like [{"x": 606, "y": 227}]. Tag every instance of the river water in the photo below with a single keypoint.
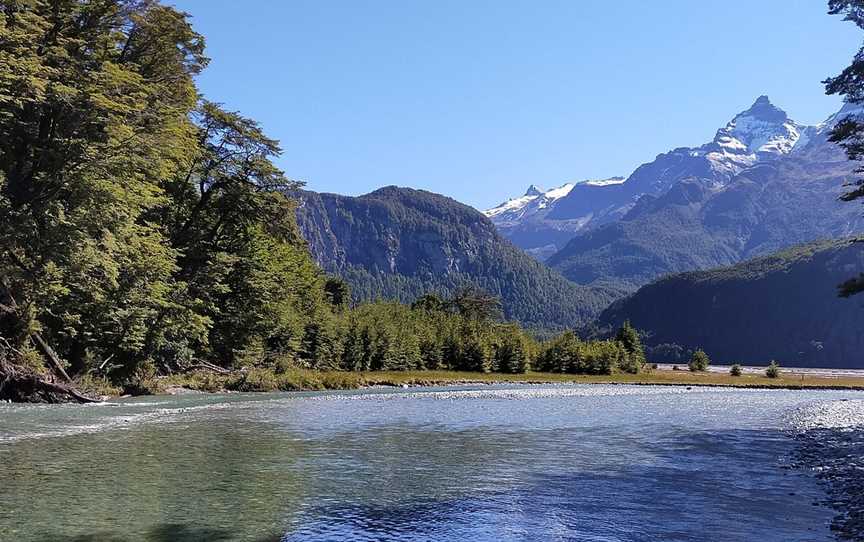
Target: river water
[{"x": 569, "y": 462}]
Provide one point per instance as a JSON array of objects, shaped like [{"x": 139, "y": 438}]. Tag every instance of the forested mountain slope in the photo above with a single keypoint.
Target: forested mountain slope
[
  {"x": 399, "y": 243},
  {"x": 783, "y": 306}
]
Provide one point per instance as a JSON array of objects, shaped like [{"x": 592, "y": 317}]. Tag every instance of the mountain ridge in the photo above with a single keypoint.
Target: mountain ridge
[
  {"x": 781, "y": 306},
  {"x": 401, "y": 243},
  {"x": 760, "y": 133}
]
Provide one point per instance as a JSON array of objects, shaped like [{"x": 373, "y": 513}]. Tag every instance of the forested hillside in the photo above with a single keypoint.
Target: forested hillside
[
  {"x": 142, "y": 228},
  {"x": 399, "y": 243},
  {"x": 784, "y": 306},
  {"x": 145, "y": 231}
]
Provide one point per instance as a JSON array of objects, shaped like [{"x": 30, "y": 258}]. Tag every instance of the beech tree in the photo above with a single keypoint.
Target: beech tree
[{"x": 849, "y": 131}]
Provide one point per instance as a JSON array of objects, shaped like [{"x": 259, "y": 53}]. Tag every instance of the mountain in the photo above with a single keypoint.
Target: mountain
[
  {"x": 400, "y": 243},
  {"x": 765, "y": 183},
  {"x": 524, "y": 220},
  {"x": 761, "y": 133},
  {"x": 783, "y": 306}
]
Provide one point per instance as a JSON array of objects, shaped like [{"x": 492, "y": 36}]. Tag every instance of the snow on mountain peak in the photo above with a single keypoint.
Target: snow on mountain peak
[
  {"x": 534, "y": 199},
  {"x": 762, "y": 131},
  {"x": 605, "y": 182}
]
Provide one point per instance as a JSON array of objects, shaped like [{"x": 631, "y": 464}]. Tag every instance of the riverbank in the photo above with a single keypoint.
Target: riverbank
[{"x": 260, "y": 380}]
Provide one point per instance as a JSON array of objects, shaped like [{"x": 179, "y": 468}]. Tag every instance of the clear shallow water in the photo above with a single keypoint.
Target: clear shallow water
[{"x": 593, "y": 463}]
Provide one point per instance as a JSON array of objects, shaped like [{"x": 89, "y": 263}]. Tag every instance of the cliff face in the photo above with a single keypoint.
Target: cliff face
[
  {"x": 400, "y": 243},
  {"x": 784, "y": 306}
]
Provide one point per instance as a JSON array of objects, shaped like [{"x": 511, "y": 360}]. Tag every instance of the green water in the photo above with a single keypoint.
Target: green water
[{"x": 512, "y": 463}]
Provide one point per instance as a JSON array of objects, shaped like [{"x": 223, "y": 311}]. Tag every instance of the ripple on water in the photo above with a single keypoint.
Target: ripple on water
[{"x": 831, "y": 446}]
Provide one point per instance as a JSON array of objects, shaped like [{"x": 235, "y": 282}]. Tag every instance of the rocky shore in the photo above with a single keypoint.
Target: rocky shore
[{"x": 831, "y": 446}]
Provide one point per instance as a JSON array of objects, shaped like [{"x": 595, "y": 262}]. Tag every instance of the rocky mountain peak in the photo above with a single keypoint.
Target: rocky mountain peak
[
  {"x": 534, "y": 190},
  {"x": 763, "y": 129}
]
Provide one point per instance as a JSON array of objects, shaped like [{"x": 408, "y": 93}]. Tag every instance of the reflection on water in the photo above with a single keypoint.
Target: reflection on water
[{"x": 554, "y": 463}]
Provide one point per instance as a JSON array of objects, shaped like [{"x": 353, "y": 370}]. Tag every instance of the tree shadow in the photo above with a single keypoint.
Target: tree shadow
[{"x": 168, "y": 532}]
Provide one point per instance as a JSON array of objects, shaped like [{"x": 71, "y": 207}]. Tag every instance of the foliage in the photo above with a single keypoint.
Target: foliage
[
  {"x": 849, "y": 130},
  {"x": 735, "y": 370},
  {"x": 699, "y": 362},
  {"x": 142, "y": 228},
  {"x": 773, "y": 370},
  {"x": 628, "y": 337},
  {"x": 567, "y": 354}
]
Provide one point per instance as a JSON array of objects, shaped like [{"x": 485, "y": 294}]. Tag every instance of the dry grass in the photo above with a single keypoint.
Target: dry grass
[
  {"x": 264, "y": 380},
  {"x": 658, "y": 377}
]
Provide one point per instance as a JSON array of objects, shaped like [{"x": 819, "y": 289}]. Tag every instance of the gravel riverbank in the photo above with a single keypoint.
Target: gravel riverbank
[{"x": 831, "y": 438}]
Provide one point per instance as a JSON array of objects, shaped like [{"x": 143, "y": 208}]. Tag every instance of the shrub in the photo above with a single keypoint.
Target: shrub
[
  {"x": 699, "y": 362},
  {"x": 735, "y": 370},
  {"x": 773, "y": 370}
]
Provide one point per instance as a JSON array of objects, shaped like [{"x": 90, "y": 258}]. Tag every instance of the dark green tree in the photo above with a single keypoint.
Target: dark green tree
[
  {"x": 95, "y": 104},
  {"x": 475, "y": 304},
  {"x": 849, "y": 131},
  {"x": 337, "y": 292},
  {"x": 635, "y": 355},
  {"x": 430, "y": 302}
]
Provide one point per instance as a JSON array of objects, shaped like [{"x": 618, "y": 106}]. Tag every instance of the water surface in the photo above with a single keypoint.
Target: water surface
[{"x": 568, "y": 462}]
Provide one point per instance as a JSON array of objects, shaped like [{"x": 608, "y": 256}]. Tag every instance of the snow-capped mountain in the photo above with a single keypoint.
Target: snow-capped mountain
[
  {"x": 765, "y": 183},
  {"x": 536, "y": 200},
  {"x": 527, "y": 213},
  {"x": 540, "y": 223},
  {"x": 762, "y": 132}
]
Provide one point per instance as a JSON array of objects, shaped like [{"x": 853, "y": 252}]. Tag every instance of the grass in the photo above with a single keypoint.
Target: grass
[
  {"x": 656, "y": 377},
  {"x": 266, "y": 380}
]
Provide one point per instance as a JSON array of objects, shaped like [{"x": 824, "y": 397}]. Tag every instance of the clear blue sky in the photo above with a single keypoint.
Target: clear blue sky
[{"x": 477, "y": 99}]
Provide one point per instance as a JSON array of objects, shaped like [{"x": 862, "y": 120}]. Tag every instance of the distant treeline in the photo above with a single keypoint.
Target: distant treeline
[{"x": 462, "y": 333}]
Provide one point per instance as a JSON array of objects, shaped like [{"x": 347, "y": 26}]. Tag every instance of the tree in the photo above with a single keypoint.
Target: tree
[
  {"x": 849, "y": 131},
  {"x": 511, "y": 352},
  {"x": 699, "y": 362},
  {"x": 773, "y": 370},
  {"x": 338, "y": 292},
  {"x": 635, "y": 355},
  {"x": 429, "y": 302},
  {"x": 476, "y": 304},
  {"x": 94, "y": 113},
  {"x": 563, "y": 354},
  {"x": 735, "y": 370}
]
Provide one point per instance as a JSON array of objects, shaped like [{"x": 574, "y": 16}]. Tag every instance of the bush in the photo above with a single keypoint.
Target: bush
[
  {"x": 735, "y": 370},
  {"x": 699, "y": 362},
  {"x": 773, "y": 370}
]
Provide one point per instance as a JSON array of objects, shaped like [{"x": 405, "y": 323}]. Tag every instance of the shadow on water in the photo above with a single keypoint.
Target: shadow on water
[
  {"x": 169, "y": 532},
  {"x": 695, "y": 486},
  {"x": 836, "y": 456}
]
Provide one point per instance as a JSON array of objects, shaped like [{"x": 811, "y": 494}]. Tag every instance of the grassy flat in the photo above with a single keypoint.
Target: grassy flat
[
  {"x": 658, "y": 377},
  {"x": 265, "y": 380}
]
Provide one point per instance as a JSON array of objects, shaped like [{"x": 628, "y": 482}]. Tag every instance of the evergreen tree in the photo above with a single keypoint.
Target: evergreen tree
[
  {"x": 635, "y": 355},
  {"x": 849, "y": 131}
]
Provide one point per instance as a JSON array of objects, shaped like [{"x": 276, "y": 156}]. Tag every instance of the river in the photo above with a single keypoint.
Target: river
[{"x": 492, "y": 463}]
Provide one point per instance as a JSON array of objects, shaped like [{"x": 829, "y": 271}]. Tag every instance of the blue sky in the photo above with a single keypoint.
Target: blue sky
[{"x": 477, "y": 99}]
